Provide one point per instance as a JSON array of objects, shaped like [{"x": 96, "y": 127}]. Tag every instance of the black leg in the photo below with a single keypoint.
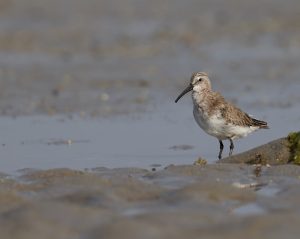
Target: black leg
[
  {"x": 231, "y": 147},
  {"x": 221, "y": 149}
]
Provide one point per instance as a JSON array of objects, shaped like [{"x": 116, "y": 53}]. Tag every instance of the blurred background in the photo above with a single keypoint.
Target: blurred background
[
  {"x": 127, "y": 61},
  {"x": 116, "y": 57}
]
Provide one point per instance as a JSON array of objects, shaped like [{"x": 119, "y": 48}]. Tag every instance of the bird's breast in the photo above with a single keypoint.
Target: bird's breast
[
  {"x": 217, "y": 126},
  {"x": 201, "y": 117}
]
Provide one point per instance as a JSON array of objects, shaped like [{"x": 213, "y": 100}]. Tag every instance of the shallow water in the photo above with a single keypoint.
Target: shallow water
[{"x": 166, "y": 135}]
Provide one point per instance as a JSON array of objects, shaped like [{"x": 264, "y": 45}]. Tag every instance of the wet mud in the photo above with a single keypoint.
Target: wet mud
[
  {"x": 177, "y": 201},
  {"x": 280, "y": 151},
  {"x": 275, "y": 152}
]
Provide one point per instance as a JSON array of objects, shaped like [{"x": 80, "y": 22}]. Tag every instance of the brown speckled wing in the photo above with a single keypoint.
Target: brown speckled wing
[{"x": 233, "y": 114}]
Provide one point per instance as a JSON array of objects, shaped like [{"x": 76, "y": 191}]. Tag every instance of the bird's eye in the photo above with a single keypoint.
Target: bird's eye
[{"x": 200, "y": 79}]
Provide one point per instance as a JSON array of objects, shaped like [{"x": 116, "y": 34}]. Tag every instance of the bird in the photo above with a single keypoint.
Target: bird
[{"x": 217, "y": 116}]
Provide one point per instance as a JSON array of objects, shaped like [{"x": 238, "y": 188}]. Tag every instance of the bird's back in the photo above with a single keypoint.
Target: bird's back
[{"x": 233, "y": 114}]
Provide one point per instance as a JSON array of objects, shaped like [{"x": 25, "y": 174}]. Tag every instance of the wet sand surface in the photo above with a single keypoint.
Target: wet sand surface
[
  {"x": 92, "y": 144},
  {"x": 178, "y": 202}
]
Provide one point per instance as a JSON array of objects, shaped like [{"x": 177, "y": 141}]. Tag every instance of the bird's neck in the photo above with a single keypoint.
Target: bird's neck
[{"x": 200, "y": 97}]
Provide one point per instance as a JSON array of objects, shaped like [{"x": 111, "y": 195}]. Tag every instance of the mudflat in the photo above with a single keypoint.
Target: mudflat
[{"x": 214, "y": 201}]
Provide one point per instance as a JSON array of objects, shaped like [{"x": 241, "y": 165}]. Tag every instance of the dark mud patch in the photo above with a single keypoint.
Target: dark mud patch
[{"x": 281, "y": 151}]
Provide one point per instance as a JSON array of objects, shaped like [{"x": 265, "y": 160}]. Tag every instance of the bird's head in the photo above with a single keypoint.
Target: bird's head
[{"x": 199, "y": 82}]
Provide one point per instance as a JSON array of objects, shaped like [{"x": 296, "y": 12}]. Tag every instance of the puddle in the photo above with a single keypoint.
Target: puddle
[
  {"x": 250, "y": 209},
  {"x": 268, "y": 191},
  {"x": 131, "y": 212}
]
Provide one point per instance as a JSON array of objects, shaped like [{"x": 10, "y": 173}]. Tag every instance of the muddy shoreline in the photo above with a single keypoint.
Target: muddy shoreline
[{"x": 133, "y": 203}]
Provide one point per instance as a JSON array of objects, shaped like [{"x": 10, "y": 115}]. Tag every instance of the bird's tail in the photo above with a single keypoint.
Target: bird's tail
[{"x": 261, "y": 124}]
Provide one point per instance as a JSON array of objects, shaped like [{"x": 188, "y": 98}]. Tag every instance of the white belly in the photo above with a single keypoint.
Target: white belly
[{"x": 216, "y": 126}]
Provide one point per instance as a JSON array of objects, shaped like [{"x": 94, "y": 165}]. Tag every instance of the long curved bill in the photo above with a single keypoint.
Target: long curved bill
[{"x": 186, "y": 90}]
